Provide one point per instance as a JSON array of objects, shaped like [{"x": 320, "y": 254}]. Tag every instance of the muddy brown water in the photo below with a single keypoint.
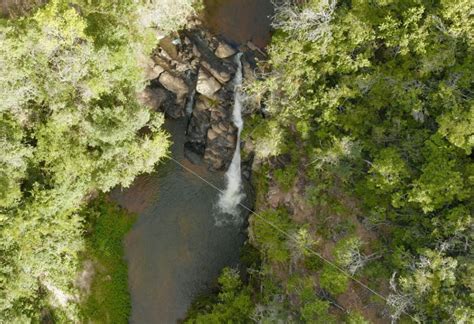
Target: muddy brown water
[
  {"x": 240, "y": 21},
  {"x": 175, "y": 251}
]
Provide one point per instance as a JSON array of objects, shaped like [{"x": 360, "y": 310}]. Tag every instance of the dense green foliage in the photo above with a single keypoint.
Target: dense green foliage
[
  {"x": 108, "y": 300},
  {"x": 378, "y": 97},
  {"x": 231, "y": 305},
  {"x": 70, "y": 125}
]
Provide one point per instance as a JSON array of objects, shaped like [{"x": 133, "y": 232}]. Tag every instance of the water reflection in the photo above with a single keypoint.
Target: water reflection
[
  {"x": 174, "y": 250},
  {"x": 240, "y": 21}
]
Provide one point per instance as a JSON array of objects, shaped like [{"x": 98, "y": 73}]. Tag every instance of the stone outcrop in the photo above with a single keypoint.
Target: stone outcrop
[
  {"x": 192, "y": 76},
  {"x": 175, "y": 84},
  {"x": 207, "y": 85},
  {"x": 224, "y": 50}
]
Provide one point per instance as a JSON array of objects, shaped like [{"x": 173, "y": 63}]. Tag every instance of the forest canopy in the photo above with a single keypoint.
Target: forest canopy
[
  {"x": 70, "y": 126},
  {"x": 367, "y": 131},
  {"x": 363, "y": 160}
]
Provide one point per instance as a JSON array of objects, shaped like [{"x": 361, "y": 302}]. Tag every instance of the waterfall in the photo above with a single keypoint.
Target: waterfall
[
  {"x": 190, "y": 103},
  {"x": 231, "y": 197}
]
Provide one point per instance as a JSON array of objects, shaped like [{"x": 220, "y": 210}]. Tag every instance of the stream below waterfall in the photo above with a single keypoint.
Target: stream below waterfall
[{"x": 176, "y": 249}]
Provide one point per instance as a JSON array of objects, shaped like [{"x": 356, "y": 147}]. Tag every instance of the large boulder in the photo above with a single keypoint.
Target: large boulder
[
  {"x": 153, "y": 97},
  {"x": 207, "y": 85},
  {"x": 219, "y": 69},
  {"x": 160, "y": 99},
  {"x": 199, "y": 124},
  {"x": 174, "y": 84},
  {"x": 150, "y": 69},
  {"x": 224, "y": 50}
]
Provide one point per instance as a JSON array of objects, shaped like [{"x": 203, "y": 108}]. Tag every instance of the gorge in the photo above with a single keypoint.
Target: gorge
[{"x": 187, "y": 231}]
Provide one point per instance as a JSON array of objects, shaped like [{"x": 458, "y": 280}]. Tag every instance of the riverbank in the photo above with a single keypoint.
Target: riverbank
[{"x": 103, "y": 280}]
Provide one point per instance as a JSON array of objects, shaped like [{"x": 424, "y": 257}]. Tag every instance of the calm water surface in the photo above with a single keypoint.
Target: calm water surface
[
  {"x": 175, "y": 251},
  {"x": 240, "y": 21}
]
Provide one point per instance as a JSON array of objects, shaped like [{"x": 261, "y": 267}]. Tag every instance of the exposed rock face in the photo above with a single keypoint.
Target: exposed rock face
[
  {"x": 199, "y": 125},
  {"x": 195, "y": 61},
  {"x": 224, "y": 50},
  {"x": 221, "y": 136},
  {"x": 174, "y": 84},
  {"x": 207, "y": 85}
]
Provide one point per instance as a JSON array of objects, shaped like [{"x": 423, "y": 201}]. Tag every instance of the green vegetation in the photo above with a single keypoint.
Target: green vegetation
[
  {"x": 108, "y": 300},
  {"x": 71, "y": 126},
  {"x": 231, "y": 305},
  {"x": 272, "y": 242},
  {"x": 333, "y": 280},
  {"x": 378, "y": 98},
  {"x": 363, "y": 160}
]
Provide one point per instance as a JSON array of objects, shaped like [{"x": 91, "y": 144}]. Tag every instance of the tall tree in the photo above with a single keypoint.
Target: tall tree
[{"x": 70, "y": 125}]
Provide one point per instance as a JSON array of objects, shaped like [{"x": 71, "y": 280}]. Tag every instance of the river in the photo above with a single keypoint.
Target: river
[{"x": 175, "y": 251}]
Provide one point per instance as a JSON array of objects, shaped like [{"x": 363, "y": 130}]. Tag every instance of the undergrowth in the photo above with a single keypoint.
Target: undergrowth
[{"x": 109, "y": 298}]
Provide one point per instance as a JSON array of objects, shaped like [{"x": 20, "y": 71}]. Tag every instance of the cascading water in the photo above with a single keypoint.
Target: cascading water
[{"x": 230, "y": 199}]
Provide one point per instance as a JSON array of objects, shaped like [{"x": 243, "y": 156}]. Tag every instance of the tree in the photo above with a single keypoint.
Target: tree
[
  {"x": 70, "y": 126},
  {"x": 233, "y": 302},
  {"x": 332, "y": 280},
  {"x": 378, "y": 96}
]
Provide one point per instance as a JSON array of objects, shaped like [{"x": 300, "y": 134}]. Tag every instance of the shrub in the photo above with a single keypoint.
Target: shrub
[{"x": 332, "y": 280}]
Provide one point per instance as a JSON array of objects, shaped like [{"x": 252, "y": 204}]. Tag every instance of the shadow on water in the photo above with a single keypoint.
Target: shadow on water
[{"x": 174, "y": 250}]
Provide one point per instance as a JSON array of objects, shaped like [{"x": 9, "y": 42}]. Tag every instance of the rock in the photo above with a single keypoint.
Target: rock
[
  {"x": 196, "y": 52},
  {"x": 223, "y": 127},
  {"x": 157, "y": 70},
  {"x": 216, "y": 129},
  {"x": 152, "y": 97},
  {"x": 213, "y": 160},
  {"x": 158, "y": 98},
  {"x": 199, "y": 124},
  {"x": 231, "y": 138},
  {"x": 219, "y": 69},
  {"x": 206, "y": 84},
  {"x": 211, "y": 135},
  {"x": 168, "y": 45},
  {"x": 224, "y": 50},
  {"x": 174, "y": 84},
  {"x": 161, "y": 61},
  {"x": 217, "y": 114},
  {"x": 222, "y": 138},
  {"x": 150, "y": 69}
]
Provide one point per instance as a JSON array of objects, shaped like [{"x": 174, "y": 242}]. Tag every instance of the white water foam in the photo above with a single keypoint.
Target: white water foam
[{"x": 233, "y": 195}]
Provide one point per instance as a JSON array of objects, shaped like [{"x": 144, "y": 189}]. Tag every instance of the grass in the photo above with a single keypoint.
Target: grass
[{"x": 109, "y": 298}]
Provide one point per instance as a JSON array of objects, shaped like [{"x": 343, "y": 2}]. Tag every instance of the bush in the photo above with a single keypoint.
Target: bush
[
  {"x": 332, "y": 280},
  {"x": 286, "y": 176},
  {"x": 109, "y": 298},
  {"x": 316, "y": 312},
  {"x": 273, "y": 242},
  {"x": 233, "y": 302}
]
